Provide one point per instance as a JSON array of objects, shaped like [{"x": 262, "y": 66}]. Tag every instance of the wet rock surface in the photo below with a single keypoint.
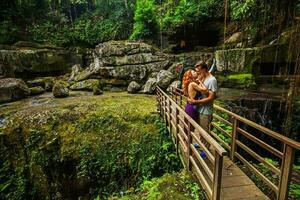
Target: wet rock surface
[{"x": 12, "y": 89}]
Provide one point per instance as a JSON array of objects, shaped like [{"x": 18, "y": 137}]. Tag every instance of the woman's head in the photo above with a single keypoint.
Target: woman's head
[{"x": 188, "y": 77}]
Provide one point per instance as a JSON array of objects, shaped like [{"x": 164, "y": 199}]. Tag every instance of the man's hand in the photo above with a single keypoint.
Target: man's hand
[{"x": 192, "y": 101}]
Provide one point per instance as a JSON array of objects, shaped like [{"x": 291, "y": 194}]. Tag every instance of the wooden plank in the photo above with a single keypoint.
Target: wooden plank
[
  {"x": 235, "y": 181},
  {"x": 259, "y": 158},
  {"x": 261, "y": 143},
  {"x": 230, "y": 169},
  {"x": 242, "y": 192}
]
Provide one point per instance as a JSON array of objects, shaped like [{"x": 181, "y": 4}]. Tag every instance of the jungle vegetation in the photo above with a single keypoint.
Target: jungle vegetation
[{"x": 89, "y": 22}]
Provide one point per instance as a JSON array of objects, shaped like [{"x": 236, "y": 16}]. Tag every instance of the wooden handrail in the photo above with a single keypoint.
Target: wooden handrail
[
  {"x": 278, "y": 136},
  {"x": 203, "y": 133},
  {"x": 286, "y": 156},
  {"x": 184, "y": 131}
]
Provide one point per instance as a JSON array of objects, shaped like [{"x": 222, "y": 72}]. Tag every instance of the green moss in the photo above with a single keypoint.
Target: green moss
[
  {"x": 179, "y": 186},
  {"x": 85, "y": 145},
  {"x": 240, "y": 81}
]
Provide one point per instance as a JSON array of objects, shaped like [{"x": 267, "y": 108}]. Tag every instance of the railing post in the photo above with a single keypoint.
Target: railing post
[
  {"x": 216, "y": 190},
  {"x": 177, "y": 130},
  {"x": 170, "y": 117},
  {"x": 233, "y": 139},
  {"x": 189, "y": 145},
  {"x": 181, "y": 100},
  {"x": 286, "y": 167}
]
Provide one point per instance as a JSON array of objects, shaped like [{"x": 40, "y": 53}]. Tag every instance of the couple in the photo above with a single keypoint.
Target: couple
[{"x": 200, "y": 86}]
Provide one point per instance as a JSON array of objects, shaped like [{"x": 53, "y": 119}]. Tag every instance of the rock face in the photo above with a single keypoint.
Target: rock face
[
  {"x": 149, "y": 87},
  {"x": 35, "y": 59},
  {"x": 60, "y": 90},
  {"x": 124, "y": 61},
  {"x": 12, "y": 89},
  {"x": 164, "y": 78},
  {"x": 133, "y": 87},
  {"x": 243, "y": 60}
]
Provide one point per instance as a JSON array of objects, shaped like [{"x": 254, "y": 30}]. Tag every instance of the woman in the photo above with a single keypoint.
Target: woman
[{"x": 190, "y": 89}]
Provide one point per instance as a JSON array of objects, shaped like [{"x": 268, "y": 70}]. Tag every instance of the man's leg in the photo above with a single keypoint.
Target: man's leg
[{"x": 205, "y": 121}]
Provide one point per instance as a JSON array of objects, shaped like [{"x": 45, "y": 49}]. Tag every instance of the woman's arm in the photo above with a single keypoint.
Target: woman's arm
[{"x": 200, "y": 88}]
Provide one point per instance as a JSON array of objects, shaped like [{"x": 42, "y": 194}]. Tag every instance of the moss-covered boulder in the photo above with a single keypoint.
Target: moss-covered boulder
[
  {"x": 133, "y": 87},
  {"x": 60, "y": 90},
  {"x": 36, "y": 90},
  {"x": 81, "y": 147},
  {"x": 150, "y": 86},
  {"x": 12, "y": 89},
  {"x": 164, "y": 78},
  {"x": 87, "y": 85}
]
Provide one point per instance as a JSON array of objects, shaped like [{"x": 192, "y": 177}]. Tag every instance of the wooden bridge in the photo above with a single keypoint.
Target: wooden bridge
[{"x": 213, "y": 163}]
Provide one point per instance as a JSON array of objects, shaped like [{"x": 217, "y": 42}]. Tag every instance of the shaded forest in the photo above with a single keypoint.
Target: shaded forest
[{"x": 179, "y": 22}]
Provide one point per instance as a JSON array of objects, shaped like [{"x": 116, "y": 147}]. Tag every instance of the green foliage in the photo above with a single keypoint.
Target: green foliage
[
  {"x": 9, "y": 32},
  {"x": 175, "y": 15},
  {"x": 175, "y": 186},
  {"x": 145, "y": 22},
  {"x": 95, "y": 142}
]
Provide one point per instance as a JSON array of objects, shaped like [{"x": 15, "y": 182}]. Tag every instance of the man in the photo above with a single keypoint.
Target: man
[{"x": 205, "y": 104}]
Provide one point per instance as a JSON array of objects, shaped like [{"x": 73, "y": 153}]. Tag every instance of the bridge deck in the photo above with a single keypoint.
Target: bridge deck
[{"x": 237, "y": 185}]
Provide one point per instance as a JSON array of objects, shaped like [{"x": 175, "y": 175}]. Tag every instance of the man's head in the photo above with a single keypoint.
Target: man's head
[{"x": 201, "y": 68}]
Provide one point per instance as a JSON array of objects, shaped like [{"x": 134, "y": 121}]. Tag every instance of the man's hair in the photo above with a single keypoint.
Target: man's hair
[{"x": 201, "y": 65}]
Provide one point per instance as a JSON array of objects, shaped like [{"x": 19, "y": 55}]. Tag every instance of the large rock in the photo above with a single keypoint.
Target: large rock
[
  {"x": 150, "y": 86},
  {"x": 36, "y": 59},
  {"x": 235, "y": 38},
  {"x": 124, "y": 60},
  {"x": 174, "y": 84},
  {"x": 12, "y": 89},
  {"x": 133, "y": 87},
  {"x": 36, "y": 90},
  {"x": 242, "y": 60},
  {"x": 60, "y": 90},
  {"x": 76, "y": 69},
  {"x": 88, "y": 85},
  {"x": 164, "y": 78}
]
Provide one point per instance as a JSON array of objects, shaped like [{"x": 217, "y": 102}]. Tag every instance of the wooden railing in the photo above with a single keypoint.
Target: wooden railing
[
  {"x": 238, "y": 139},
  {"x": 206, "y": 163}
]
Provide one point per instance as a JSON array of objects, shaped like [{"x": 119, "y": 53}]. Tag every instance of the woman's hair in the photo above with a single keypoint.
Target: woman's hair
[{"x": 186, "y": 80}]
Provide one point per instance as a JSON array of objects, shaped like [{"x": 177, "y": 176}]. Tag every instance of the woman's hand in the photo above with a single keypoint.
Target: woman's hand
[
  {"x": 202, "y": 87},
  {"x": 191, "y": 101}
]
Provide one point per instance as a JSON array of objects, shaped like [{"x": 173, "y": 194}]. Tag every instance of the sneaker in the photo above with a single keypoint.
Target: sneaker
[{"x": 203, "y": 154}]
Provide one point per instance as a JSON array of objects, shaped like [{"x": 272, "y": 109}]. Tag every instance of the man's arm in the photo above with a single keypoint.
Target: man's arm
[{"x": 211, "y": 97}]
